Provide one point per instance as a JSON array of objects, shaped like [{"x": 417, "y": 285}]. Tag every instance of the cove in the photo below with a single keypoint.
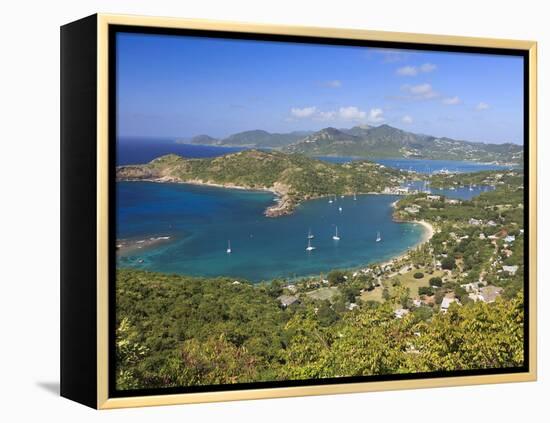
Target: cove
[{"x": 201, "y": 220}]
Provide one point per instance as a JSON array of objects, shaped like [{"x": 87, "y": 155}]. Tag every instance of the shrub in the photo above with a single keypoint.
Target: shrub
[
  {"x": 425, "y": 290},
  {"x": 336, "y": 277},
  {"x": 448, "y": 263},
  {"x": 436, "y": 281}
]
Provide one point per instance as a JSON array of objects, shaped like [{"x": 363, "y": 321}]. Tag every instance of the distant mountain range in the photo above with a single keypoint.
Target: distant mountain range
[{"x": 382, "y": 141}]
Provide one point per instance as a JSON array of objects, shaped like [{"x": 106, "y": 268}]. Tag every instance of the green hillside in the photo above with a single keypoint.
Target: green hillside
[
  {"x": 292, "y": 176},
  {"x": 182, "y": 331},
  {"x": 385, "y": 141}
]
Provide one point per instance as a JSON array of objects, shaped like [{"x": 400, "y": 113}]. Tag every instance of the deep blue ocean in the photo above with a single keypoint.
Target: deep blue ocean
[
  {"x": 143, "y": 150},
  {"x": 201, "y": 220}
]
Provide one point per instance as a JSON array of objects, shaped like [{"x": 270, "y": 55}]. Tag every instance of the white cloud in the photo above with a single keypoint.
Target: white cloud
[
  {"x": 329, "y": 115},
  {"x": 428, "y": 67},
  {"x": 451, "y": 100},
  {"x": 344, "y": 114},
  {"x": 376, "y": 115},
  {"x": 482, "y": 106},
  {"x": 407, "y": 71},
  {"x": 415, "y": 70},
  {"x": 420, "y": 91},
  {"x": 304, "y": 112},
  {"x": 351, "y": 113},
  {"x": 407, "y": 119},
  {"x": 392, "y": 55},
  {"x": 335, "y": 83}
]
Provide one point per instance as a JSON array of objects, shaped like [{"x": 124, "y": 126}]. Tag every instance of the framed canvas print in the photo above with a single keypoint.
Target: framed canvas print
[{"x": 254, "y": 211}]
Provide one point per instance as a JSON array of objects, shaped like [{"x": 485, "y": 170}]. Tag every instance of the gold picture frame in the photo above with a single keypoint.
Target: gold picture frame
[{"x": 100, "y": 360}]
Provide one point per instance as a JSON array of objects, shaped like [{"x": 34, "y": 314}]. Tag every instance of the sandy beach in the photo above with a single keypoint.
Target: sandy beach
[
  {"x": 428, "y": 234},
  {"x": 429, "y": 231}
]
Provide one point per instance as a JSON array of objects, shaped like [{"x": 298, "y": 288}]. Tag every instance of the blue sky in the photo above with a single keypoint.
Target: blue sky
[{"x": 175, "y": 86}]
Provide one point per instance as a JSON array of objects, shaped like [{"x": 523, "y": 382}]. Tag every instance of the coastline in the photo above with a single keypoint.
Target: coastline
[
  {"x": 429, "y": 231},
  {"x": 428, "y": 234},
  {"x": 285, "y": 204},
  {"x": 126, "y": 246}
]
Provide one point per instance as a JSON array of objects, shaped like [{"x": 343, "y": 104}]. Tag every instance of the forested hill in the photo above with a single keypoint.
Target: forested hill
[
  {"x": 218, "y": 331},
  {"x": 293, "y": 177},
  {"x": 386, "y": 141}
]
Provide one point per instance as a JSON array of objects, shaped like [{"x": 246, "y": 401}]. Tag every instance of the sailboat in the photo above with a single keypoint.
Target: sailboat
[
  {"x": 354, "y": 197},
  {"x": 335, "y": 236},
  {"x": 340, "y": 209},
  {"x": 330, "y": 200},
  {"x": 228, "y": 251},
  {"x": 309, "y": 246},
  {"x": 471, "y": 189},
  {"x": 310, "y": 235},
  {"x": 378, "y": 237}
]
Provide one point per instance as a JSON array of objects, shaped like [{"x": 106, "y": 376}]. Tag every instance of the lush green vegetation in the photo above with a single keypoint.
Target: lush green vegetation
[
  {"x": 383, "y": 319},
  {"x": 471, "y": 237},
  {"x": 178, "y": 331},
  {"x": 488, "y": 177},
  {"x": 293, "y": 176}
]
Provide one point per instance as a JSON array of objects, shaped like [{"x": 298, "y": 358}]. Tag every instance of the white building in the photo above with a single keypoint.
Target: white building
[
  {"x": 400, "y": 313},
  {"x": 510, "y": 269},
  {"x": 446, "y": 303}
]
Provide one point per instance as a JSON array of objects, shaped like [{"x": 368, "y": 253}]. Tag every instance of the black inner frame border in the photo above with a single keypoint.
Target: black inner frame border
[{"x": 113, "y": 30}]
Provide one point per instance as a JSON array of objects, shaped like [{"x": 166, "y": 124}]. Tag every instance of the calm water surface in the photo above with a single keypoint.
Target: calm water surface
[{"x": 201, "y": 220}]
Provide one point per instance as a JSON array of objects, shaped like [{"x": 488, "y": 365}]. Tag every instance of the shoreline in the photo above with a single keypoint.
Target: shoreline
[
  {"x": 125, "y": 246},
  {"x": 430, "y": 231},
  {"x": 426, "y": 237},
  {"x": 285, "y": 204}
]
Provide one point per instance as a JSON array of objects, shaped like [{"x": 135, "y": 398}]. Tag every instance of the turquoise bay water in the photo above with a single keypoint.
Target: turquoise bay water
[{"x": 200, "y": 220}]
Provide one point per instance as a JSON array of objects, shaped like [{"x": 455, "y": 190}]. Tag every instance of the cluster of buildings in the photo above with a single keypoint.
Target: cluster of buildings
[{"x": 478, "y": 291}]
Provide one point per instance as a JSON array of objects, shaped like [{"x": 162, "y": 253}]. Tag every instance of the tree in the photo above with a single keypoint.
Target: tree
[
  {"x": 423, "y": 313},
  {"x": 418, "y": 275},
  {"x": 448, "y": 263},
  {"x": 275, "y": 288},
  {"x": 336, "y": 277},
  {"x": 478, "y": 335},
  {"x": 129, "y": 352},
  {"x": 425, "y": 290},
  {"x": 436, "y": 281},
  {"x": 326, "y": 314}
]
